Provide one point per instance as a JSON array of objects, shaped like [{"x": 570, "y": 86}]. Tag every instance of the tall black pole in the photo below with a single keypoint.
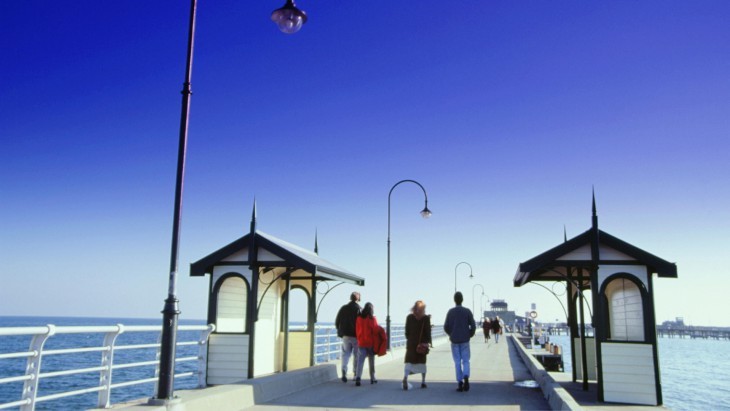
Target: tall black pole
[
  {"x": 427, "y": 212},
  {"x": 170, "y": 313}
]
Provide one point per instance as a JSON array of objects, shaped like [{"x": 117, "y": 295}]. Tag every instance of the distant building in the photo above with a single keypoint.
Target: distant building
[
  {"x": 501, "y": 309},
  {"x": 678, "y": 322}
]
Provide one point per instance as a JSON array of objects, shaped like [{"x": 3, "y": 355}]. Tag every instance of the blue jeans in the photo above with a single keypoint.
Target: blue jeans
[
  {"x": 461, "y": 354},
  {"x": 370, "y": 355},
  {"x": 496, "y": 337},
  {"x": 349, "y": 347}
]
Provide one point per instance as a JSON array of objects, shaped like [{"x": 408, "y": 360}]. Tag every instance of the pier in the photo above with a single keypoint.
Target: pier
[{"x": 689, "y": 331}]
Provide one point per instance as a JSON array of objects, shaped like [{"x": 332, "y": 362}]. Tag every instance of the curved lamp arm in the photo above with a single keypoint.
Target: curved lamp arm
[{"x": 471, "y": 272}]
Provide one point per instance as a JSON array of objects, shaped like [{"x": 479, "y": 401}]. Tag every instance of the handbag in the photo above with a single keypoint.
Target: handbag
[{"x": 422, "y": 348}]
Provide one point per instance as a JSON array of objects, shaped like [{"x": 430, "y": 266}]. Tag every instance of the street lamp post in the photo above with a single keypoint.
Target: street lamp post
[
  {"x": 292, "y": 20},
  {"x": 471, "y": 273},
  {"x": 472, "y": 296},
  {"x": 425, "y": 213},
  {"x": 481, "y": 302}
]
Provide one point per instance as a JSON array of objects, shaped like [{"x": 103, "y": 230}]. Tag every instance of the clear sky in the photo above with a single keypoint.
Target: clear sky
[{"x": 507, "y": 112}]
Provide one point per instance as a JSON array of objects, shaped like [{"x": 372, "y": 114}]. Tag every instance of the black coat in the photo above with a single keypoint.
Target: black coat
[
  {"x": 346, "y": 317},
  {"x": 417, "y": 331}
]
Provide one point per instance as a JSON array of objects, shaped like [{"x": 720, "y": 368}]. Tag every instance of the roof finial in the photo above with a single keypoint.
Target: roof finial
[
  {"x": 595, "y": 215},
  {"x": 316, "y": 247},
  {"x": 593, "y": 192},
  {"x": 253, "y": 217},
  {"x": 565, "y": 234}
]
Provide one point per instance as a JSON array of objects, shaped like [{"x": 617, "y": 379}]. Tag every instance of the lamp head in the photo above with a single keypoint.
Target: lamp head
[
  {"x": 426, "y": 213},
  {"x": 289, "y": 18}
]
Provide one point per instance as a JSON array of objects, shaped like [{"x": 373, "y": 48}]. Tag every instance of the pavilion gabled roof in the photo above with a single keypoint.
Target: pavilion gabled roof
[
  {"x": 273, "y": 252},
  {"x": 552, "y": 264}
]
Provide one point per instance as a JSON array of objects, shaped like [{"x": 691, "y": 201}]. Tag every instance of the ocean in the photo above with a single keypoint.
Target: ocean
[{"x": 694, "y": 373}]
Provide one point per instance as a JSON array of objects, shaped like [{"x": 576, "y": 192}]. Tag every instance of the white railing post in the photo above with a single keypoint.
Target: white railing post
[
  {"x": 33, "y": 368},
  {"x": 203, "y": 356},
  {"x": 107, "y": 361},
  {"x": 329, "y": 344}
]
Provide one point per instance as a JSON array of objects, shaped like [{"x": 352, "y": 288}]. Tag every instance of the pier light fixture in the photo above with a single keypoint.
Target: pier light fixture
[
  {"x": 289, "y": 19},
  {"x": 425, "y": 213},
  {"x": 471, "y": 273}
]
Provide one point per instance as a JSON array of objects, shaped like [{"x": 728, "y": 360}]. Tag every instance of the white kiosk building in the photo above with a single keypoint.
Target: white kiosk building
[
  {"x": 251, "y": 280},
  {"x": 622, "y": 357}
]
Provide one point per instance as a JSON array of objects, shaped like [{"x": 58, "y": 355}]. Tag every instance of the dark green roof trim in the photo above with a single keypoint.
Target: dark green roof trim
[
  {"x": 292, "y": 256},
  {"x": 532, "y": 269}
]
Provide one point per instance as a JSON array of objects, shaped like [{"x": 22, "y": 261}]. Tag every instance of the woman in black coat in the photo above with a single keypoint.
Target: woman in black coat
[{"x": 418, "y": 332}]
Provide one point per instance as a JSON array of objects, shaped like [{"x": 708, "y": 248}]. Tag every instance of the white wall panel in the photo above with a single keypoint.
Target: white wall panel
[
  {"x": 227, "y": 358},
  {"x": 581, "y": 254},
  {"x": 267, "y": 327},
  {"x": 628, "y": 373},
  {"x": 241, "y": 255}
]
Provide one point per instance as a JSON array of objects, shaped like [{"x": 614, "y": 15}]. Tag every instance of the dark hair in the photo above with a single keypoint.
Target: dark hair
[
  {"x": 367, "y": 311},
  {"x": 458, "y": 298},
  {"x": 355, "y": 296}
]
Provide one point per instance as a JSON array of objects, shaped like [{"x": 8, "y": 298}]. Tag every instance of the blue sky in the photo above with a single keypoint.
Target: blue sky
[{"x": 508, "y": 113}]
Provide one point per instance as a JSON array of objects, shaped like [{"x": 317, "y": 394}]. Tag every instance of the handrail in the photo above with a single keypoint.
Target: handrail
[{"x": 29, "y": 396}]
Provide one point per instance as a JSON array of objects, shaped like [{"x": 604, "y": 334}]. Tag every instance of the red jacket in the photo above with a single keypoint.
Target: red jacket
[{"x": 365, "y": 329}]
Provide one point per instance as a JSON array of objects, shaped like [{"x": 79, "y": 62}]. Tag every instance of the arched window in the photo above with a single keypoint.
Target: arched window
[
  {"x": 298, "y": 309},
  {"x": 231, "y": 305},
  {"x": 625, "y": 310}
]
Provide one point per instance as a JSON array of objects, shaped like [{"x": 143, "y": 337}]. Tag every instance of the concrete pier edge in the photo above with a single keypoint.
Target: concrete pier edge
[{"x": 557, "y": 396}]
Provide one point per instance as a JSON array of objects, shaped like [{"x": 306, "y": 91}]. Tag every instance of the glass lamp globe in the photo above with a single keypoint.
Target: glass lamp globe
[
  {"x": 426, "y": 213},
  {"x": 289, "y": 18}
]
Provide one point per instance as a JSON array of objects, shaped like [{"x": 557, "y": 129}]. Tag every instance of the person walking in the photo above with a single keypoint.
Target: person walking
[
  {"x": 418, "y": 339},
  {"x": 486, "y": 329},
  {"x": 365, "y": 328},
  {"x": 460, "y": 327},
  {"x": 496, "y": 329},
  {"x": 345, "y": 324}
]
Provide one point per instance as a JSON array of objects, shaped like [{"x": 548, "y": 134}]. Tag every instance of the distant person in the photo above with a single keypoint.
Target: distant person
[
  {"x": 366, "y": 327},
  {"x": 486, "y": 329},
  {"x": 345, "y": 324},
  {"x": 496, "y": 329},
  {"x": 460, "y": 327},
  {"x": 418, "y": 339}
]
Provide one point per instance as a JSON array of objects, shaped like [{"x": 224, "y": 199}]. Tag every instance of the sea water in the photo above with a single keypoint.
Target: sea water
[{"x": 694, "y": 372}]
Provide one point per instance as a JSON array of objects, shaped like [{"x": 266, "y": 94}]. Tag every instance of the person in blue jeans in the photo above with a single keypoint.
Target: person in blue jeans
[
  {"x": 460, "y": 327},
  {"x": 345, "y": 324}
]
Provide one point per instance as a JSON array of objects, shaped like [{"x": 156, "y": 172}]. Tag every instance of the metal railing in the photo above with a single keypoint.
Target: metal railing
[
  {"x": 32, "y": 376},
  {"x": 327, "y": 345}
]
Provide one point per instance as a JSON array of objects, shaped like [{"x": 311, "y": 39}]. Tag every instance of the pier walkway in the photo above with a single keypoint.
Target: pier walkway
[{"x": 494, "y": 367}]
